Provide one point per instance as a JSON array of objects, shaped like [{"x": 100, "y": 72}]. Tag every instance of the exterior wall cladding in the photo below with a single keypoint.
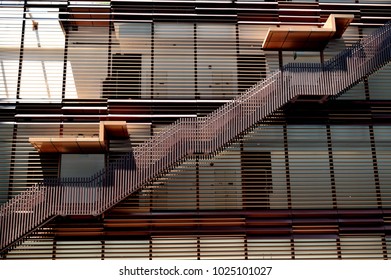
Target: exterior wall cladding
[{"x": 311, "y": 181}]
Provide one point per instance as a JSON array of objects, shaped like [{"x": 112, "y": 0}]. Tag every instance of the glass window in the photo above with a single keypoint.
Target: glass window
[
  {"x": 353, "y": 166},
  {"x": 270, "y": 139},
  {"x": 216, "y": 60},
  {"x": 309, "y": 167},
  {"x": 252, "y": 62},
  {"x": 383, "y": 157},
  {"x": 42, "y": 66},
  {"x": 220, "y": 181},
  {"x": 174, "y": 61},
  {"x": 10, "y": 36},
  {"x": 87, "y": 61},
  {"x": 5, "y": 160},
  {"x": 81, "y": 165},
  {"x": 380, "y": 84},
  {"x": 132, "y": 39},
  {"x": 176, "y": 191}
]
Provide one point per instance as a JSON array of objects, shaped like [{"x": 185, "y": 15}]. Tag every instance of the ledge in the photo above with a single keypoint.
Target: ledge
[
  {"x": 306, "y": 37},
  {"x": 79, "y": 144}
]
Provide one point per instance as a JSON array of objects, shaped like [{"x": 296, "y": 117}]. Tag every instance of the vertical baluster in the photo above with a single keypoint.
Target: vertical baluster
[
  {"x": 29, "y": 203},
  {"x": 18, "y": 209},
  {"x": 59, "y": 197},
  {"x": 64, "y": 198},
  {"x": 84, "y": 198},
  {"x": 16, "y": 216},
  {"x": 185, "y": 127},
  {"x": 97, "y": 190},
  {"x": 45, "y": 201},
  {"x": 105, "y": 182},
  {"x": 72, "y": 198},
  {"x": 133, "y": 165},
  {"x": 52, "y": 199},
  {"x": 127, "y": 173},
  {"x": 119, "y": 188},
  {"x": 94, "y": 189},
  {"x": 12, "y": 220},
  {"x": 8, "y": 222},
  {"x": 3, "y": 227},
  {"x": 36, "y": 204},
  {"x": 128, "y": 170},
  {"x": 75, "y": 199},
  {"x": 79, "y": 186},
  {"x": 21, "y": 211},
  {"x": 204, "y": 129},
  {"x": 89, "y": 197},
  {"x": 109, "y": 184},
  {"x": 64, "y": 193},
  {"x": 115, "y": 192},
  {"x": 123, "y": 177},
  {"x": 117, "y": 182},
  {"x": 78, "y": 189},
  {"x": 68, "y": 197},
  {"x": 196, "y": 140},
  {"x": 189, "y": 135}
]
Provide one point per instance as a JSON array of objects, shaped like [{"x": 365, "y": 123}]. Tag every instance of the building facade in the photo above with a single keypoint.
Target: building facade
[{"x": 312, "y": 180}]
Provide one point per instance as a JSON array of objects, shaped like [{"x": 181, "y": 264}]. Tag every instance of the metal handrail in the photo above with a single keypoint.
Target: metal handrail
[{"x": 187, "y": 136}]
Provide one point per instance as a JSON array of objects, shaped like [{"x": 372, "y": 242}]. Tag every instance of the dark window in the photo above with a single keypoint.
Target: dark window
[
  {"x": 256, "y": 179},
  {"x": 125, "y": 78}
]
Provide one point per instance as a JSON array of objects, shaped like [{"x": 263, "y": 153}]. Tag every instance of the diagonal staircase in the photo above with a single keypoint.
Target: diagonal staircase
[{"x": 204, "y": 136}]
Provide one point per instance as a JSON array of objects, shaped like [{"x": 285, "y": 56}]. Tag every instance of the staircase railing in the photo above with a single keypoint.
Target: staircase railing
[{"x": 188, "y": 136}]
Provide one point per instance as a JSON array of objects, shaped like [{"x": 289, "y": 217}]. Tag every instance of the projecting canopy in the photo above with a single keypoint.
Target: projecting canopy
[
  {"x": 309, "y": 38},
  {"x": 82, "y": 144}
]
